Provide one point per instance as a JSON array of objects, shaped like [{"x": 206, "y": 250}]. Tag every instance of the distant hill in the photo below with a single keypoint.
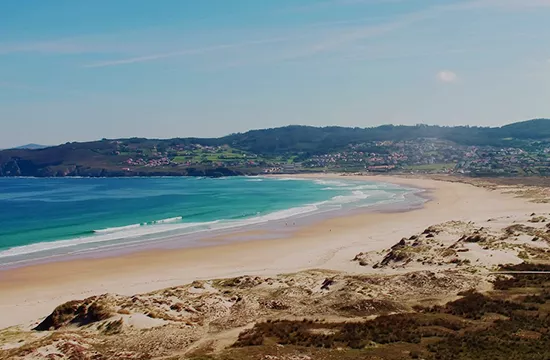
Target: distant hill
[
  {"x": 107, "y": 157},
  {"x": 31, "y": 147},
  {"x": 320, "y": 140}
]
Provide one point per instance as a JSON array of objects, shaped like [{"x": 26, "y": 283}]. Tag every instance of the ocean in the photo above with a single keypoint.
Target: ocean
[{"x": 46, "y": 218}]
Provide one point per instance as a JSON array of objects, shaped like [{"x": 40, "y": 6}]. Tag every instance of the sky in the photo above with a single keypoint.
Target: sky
[{"x": 76, "y": 70}]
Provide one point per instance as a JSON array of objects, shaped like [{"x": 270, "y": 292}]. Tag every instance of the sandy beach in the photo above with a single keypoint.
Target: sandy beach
[{"x": 31, "y": 293}]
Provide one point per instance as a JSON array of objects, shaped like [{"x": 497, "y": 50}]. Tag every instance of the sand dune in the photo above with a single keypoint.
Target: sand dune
[{"x": 461, "y": 234}]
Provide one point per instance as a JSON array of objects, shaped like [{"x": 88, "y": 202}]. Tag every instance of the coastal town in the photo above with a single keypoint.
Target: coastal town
[
  {"x": 414, "y": 156},
  {"x": 519, "y": 149}
]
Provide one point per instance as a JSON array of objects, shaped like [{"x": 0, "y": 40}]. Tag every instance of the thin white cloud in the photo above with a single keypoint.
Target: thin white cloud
[
  {"x": 458, "y": 5},
  {"x": 321, "y": 5},
  {"x": 447, "y": 76},
  {"x": 515, "y": 4},
  {"x": 196, "y": 51},
  {"x": 23, "y": 87},
  {"x": 323, "y": 42},
  {"x": 320, "y": 39},
  {"x": 403, "y": 21},
  {"x": 61, "y": 47}
]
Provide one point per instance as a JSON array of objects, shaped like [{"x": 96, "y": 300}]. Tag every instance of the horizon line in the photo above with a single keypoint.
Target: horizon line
[{"x": 18, "y": 147}]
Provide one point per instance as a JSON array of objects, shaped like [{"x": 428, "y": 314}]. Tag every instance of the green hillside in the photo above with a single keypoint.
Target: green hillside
[{"x": 415, "y": 148}]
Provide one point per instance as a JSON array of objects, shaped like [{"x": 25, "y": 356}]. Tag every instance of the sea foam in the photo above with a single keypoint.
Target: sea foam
[
  {"x": 108, "y": 235},
  {"x": 349, "y": 194},
  {"x": 166, "y": 221},
  {"x": 116, "y": 229}
]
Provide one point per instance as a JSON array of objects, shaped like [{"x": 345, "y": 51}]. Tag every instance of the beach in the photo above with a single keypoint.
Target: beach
[{"x": 32, "y": 292}]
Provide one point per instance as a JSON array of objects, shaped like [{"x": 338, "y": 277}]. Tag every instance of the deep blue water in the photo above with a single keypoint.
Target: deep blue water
[{"x": 43, "y": 217}]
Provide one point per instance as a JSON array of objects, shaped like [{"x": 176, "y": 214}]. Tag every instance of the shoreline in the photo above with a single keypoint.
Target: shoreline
[
  {"x": 33, "y": 291},
  {"x": 276, "y": 228}
]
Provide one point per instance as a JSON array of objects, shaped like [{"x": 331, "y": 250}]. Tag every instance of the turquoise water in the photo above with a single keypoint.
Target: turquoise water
[{"x": 40, "y": 218}]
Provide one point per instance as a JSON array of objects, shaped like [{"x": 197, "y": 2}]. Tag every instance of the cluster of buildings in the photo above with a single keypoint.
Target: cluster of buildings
[
  {"x": 283, "y": 168},
  {"x": 434, "y": 155},
  {"x": 154, "y": 162},
  {"x": 424, "y": 155},
  {"x": 512, "y": 161},
  {"x": 362, "y": 159}
]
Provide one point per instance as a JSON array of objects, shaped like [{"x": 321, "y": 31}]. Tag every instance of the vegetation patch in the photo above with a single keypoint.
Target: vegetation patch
[{"x": 496, "y": 325}]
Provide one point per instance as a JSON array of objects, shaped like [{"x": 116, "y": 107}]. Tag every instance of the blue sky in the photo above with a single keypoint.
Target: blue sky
[{"x": 73, "y": 70}]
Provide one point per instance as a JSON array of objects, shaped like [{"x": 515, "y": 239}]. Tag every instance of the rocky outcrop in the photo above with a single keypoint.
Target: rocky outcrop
[{"x": 78, "y": 312}]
